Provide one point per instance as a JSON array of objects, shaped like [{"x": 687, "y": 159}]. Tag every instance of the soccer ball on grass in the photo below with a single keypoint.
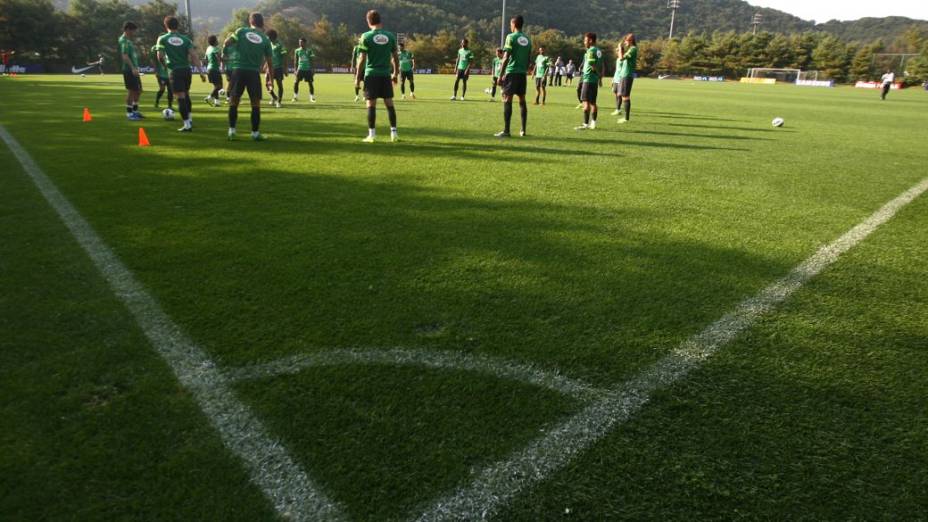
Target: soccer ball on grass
[
  {"x": 168, "y": 114},
  {"x": 778, "y": 122}
]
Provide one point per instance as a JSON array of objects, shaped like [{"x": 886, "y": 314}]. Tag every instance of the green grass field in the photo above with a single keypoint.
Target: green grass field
[{"x": 587, "y": 255}]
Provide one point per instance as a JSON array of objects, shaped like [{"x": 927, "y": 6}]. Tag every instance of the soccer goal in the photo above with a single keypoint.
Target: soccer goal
[{"x": 779, "y": 75}]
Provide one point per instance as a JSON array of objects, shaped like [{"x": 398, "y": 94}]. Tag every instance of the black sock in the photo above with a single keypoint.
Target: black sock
[
  {"x": 586, "y": 116},
  {"x": 493, "y": 92},
  {"x": 215, "y": 93},
  {"x": 135, "y": 107},
  {"x": 280, "y": 90},
  {"x": 371, "y": 117},
  {"x": 184, "y": 110},
  {"x": 170, "y": 99},
  {"x": 464, "y": 91},
  {"x": 233, "y": 116},
  {"x": 296, "y": 88},
  {"x": 544, "y": 97},
  {"x": 618, "y": 103},
  {"x": 128, "y": 109},
  {"x": 312, "y": 89},
  {"x": 189, "y": 106},
  {"x": 391, "y": 112},
  {"x": 596, "y": 114},
  {"x": 403, "y": 87},
  {"x": 158, "y": 96},
  {"x": 255, "y": 119},
  {"x": 457, "y": 84},
  {"x": 628, "y": 109},
  {"x": 412, "y": 87},
  {"x": 357, "y": 90},
  {"x": 507, "y": 114},
  {"x": 523, "y": 108}
]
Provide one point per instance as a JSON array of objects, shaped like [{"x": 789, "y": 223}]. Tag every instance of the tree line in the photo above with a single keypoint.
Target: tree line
[{"x": 89, "y": 28}]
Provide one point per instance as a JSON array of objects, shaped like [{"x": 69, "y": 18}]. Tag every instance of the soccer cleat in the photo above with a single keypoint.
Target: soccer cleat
[
  {"x": 621, "y": 121},
  {"x": 139, "y": 115},
  {"x": 294, "y": 99},
  {"x": 522, "y": 133},
  {"x": 615, "y": 112},
  {"x": 413, "y": 95},
  {"x": 357, "y": 98},
  {"x": 312, "y": 98},
  {"x": 462, "y": 98},
  {"x": 593, "y": 125},
  {"x": 404, "y": 97},
  {"x": 394, "y": 137},
  {"x": 133, "y": 117},
  {"x": 257, "y": 136},
  {"x": 502, "y": 134},
  {"x": 231, "y": 134},
  {"x": 369, "y": 139},
  {"x": 278, "y": 105},
  {"x": 185, "y": 129},
  {"x": 582, "y": 127},
  {"x": 208, "y": 100}
]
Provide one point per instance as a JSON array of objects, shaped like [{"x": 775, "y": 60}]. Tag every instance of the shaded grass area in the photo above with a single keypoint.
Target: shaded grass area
[{"x": 591, "y": 254}]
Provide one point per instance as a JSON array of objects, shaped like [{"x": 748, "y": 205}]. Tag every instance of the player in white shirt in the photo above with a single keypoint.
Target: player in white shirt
[{"x": 888, "y": 79}]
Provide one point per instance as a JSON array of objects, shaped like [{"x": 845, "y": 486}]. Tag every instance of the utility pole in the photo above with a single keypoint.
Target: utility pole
[
  {"x": 757, "y": 20},
  {"x": 502, "y": 27},
  {"x": 189, "y": 17},
  {"x": 673, "y": 5}
]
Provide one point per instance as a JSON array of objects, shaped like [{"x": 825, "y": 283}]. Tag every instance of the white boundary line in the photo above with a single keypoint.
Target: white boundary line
[
  {"x": 498, "y": 484},
  {"x": 499, "y": 368},
  {"x": 292, "y": 492}
]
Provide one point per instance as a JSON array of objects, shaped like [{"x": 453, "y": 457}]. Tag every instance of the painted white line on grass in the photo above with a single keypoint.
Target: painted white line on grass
[
  {"x": 497, "y": 485},
  {"x": 289, "y": 488},
  {"x": 499, "y": 368}
]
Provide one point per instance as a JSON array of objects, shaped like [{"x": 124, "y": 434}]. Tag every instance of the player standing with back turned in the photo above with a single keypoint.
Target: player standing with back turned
[
  {"x": 378, "y": 68},
  {"x": 251, "y": 51},
  {"x": 624, "y": 76},
  {"x": 516, "y": 54},
  {"x": 176, "y": 51}
]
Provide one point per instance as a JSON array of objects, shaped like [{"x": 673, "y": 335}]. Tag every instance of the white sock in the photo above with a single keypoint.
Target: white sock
[
  {"x": 393, "y": 130},
  {"x": 372, "y": 132},
  {"x": 255, "y": 134},
  {"x": 231, "y": 130}
]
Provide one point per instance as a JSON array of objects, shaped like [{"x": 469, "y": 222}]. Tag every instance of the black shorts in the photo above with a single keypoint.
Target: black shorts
[
  {"x": 304, "y": 75},
  {"x": 589, "y": 91},
  {"x": 279, "y": 74},
  {"x": 463, "y": 75},
  {"x": 131, "y": 81},
  {"x": 245, "y": 81},
  {"x": 514, "y": 84},
  {"x": 181, "y": 79},
  {"x": 378, "y": 87},
  {"x": 215, "y": 77},
  {"x": 623, "y": 87},
  {"x": 541, "y": 83},
  {"x": 407, "y": 75}
]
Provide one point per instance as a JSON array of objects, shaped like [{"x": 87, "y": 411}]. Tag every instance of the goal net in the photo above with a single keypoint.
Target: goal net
[{"x": 780, "y": 75}]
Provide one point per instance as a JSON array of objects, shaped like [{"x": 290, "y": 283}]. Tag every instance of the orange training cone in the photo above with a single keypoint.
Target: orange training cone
[
  {"x": 87, "y": 116},
  {"x": 143, "y": 138}
]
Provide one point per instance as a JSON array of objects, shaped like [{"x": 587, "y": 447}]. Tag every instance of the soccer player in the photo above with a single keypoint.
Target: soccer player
[
  {"x": 354, "y": 69},
  {"x": 888, "y": 79},
  {"x": 177, "y": 51},
  {"x": 214, "y": 70},
  {"x": 279, "y": 72},
  {"x": 303, "y": 57},
  {"x": 227, "y": 58},
  {"x": 625, "y": 64},
  {"x": 252, "y": 51},
  {"x": 591, "y": 82},
  {"x": 378, "y": 66},
  {"x": 164, "y": 82},
  {"x": 130, "y": 71},
  {"x": 462, "y": 66},
  {"x": 407, "y": 66},
  {"x": 540, "y": 68},
  {"x": 5, "y": 61},
  {"x": 517, "y": 52},
  {"x": 570, "y": 70},
  {"x": 497, "y": 64},
  {"x": 558, "y": 71}
]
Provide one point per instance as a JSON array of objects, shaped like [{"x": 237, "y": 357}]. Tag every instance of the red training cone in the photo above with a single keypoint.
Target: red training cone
[
  {"x": 143, "y": 138},
  {"x": 87, "y": 116}
]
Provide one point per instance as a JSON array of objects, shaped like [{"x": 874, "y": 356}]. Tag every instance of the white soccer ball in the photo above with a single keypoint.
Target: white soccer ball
[
  {"x": 487, "y": 90},
  {"x": 83, "y": 75},
  {"x": 778, "y": 122},
  {"x": 222, "y": 92},
  {"x": 168, "y": 114}
]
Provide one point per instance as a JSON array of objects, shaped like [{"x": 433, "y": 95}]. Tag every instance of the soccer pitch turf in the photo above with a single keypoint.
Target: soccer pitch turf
[{"x": 408, "y": 325}]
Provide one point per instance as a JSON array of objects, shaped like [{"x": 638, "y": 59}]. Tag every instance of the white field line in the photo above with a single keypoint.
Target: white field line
[
  {"x": 495, "y": 486},
  {"x": 294, "y": 495},
  {"x": 499, "y": 368}
]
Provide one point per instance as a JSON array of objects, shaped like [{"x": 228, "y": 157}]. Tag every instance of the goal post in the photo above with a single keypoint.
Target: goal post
[{"x": 779, "y": 75}]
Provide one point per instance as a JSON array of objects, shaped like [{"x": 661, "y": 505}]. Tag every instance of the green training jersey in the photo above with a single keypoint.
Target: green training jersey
[
  {"x": 519, "y": 47},
  {"x": 176, "y": 48},
  {"x": 406, "y": 58},
  {"x": 625, "y": 66},
  {"x": 542, "y": 63},
  {"x": 591, "y": 64},
  {"x": 464, "y": 58},
  {"x": 126, "y": 47},
  {"x": 379, "y": 45},
  {"x": 160, "y": 70},
  {"x": 251, "y": 49},
  {"x": 497, "y": 65},
  {"x": 278, "y": 53},
  {"x": 354, "y": 55},
  {"x": 212, "y": 58},
  {"x": 304, "y": 58}
]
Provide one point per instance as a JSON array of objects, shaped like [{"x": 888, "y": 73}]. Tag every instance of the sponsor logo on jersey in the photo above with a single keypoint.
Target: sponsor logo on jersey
[
  {"x": 176, "y": 41},
  {"x": 381, "y": 39},
  {"x": 254, "y": 38},
  {"x": 523, "y": 41}
]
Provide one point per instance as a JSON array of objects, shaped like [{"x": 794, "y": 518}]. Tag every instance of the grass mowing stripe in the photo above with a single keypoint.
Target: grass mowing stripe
[
  {"x": 501, "y": 369},
  {"x": 289, "y": 488},
  {"x": 500, "y": 483}
]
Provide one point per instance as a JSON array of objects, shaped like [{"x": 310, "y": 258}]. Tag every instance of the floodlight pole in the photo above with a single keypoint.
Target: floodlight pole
[
  {"x": 502, "y": 26},
  {"x": 189, "y": 18},
  {"x": 673, "y": 5},
  {"x": 758, "y": 19}
]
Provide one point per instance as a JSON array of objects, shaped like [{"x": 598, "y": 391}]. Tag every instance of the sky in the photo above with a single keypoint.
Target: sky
[{"x": 824, "y": 10}]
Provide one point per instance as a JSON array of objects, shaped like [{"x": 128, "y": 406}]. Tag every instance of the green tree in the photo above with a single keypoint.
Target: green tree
[
  {"x": 831, "y": 58},
  {"x": 861, "y": 68},
  {"x": 30, "y": 27}
]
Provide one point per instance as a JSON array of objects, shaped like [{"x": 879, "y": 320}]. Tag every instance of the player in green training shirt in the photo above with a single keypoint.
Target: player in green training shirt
[
  {"x": 251, "y": 51},
  {"x": 131, "y": 77},
  {"x": 213, "y": 70},
  {"x": 303, "y": 57},
  {"x": 407, "y": 66},
  {"x": 462, "y": 66},
  {"x": 177, "y": 51},
  {"x": 625, "y": 65},
  {"x": 355, "y": 53},
  {"x": 497, "y": 65},
  {"x": 540, "y": 68},
  {"x": 164, "y": 83},
  {"x": 517, "y": 52},
  {"x": 592, "y": 80},
  {"x": 378, "y": 68},
  {"x": 279, "y": 71}
]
